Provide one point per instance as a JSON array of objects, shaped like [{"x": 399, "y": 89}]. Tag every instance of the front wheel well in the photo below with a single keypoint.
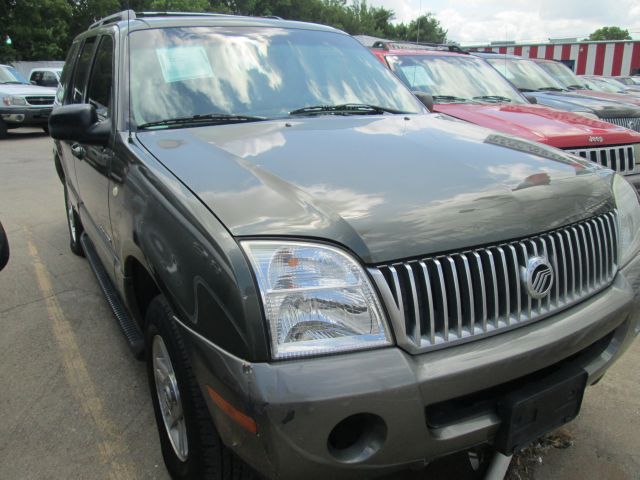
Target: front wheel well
[{"x": 141, "y": 289}]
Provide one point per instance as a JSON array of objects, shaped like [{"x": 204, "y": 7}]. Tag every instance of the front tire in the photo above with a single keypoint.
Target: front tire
[
  {"x": 191, "y": 446},
  {"x": 74, "y": 225}
]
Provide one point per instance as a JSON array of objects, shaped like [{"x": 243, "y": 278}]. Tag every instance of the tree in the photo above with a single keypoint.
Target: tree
[
  {"x": 610, "y": 33},
  {"x": 425, "y": 28}
]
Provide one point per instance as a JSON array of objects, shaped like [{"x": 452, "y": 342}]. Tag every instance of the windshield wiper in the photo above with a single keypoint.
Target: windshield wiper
[
  {"x": 344, "y": 109},
  {"x": 497, "y": 98},
  {"x": 210, "y": 118},
  {"x": 577, "y": 87},
  {"x": 14, "y": 83},
  {"x": 551, "y": 89},
  {"x": 449, "y": 98}
]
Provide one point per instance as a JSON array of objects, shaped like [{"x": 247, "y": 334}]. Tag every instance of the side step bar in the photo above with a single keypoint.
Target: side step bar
[{"x": 128, "y": 326}]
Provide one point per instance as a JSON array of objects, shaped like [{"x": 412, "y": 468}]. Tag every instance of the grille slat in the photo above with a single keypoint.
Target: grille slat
[
  {"x": 620, "y": 159},
  {"x": 465, "y": 295},
  {"x": 40, "y": 100},
  {"x": 627, "y": 122}
]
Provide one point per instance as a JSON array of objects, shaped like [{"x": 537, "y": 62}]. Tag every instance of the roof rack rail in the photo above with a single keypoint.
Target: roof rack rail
[
  {"x": 182, "y": 14},
  {"x": 116, "y": 17},
  {"x": 406, "y": 45}
]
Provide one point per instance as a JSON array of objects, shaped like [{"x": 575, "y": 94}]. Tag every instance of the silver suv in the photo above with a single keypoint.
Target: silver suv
[{"x": 21, "y": 103}]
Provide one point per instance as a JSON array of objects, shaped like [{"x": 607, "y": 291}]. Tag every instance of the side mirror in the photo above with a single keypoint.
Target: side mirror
[
  {"x": 33, "y": 82},
  {"x": 531, "y": 99},
  {"x": 4, "y": 248},
  {"x": 79, "y": 123},
  {"x": 426, "y": 99}
]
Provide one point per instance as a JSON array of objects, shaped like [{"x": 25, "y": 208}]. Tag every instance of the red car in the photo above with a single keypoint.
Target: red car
[{"x": 468, "y": 88}]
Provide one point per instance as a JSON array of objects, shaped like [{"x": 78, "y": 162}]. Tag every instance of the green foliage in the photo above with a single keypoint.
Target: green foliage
[
  {"x": 44, "y": 29},
  {"x": 610, "y": 33}
]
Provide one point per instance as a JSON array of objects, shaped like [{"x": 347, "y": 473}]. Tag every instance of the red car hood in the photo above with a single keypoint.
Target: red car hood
[
  {"x": 616, "y": 97},
  {"x": 541, "y": 124}
]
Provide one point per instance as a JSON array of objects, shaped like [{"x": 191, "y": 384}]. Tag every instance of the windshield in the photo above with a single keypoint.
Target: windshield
[
  {"x": 562, "y": 74},
  {"x": 602, "y": 85},
  {"x": 524, "y": 74},
  {"x": 259, "y": 72},
  {"x": 450, "y": 78},
  {"x": 11, "y": 75}
]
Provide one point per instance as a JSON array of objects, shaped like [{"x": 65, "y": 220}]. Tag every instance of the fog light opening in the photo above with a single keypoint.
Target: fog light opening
[{"x": 357, "y": 437}]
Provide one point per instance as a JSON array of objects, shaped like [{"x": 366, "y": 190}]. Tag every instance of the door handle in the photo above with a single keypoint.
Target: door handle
[{"x": 78, "y": 151}]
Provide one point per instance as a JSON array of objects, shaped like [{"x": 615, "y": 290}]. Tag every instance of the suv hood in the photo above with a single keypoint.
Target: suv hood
[
  {"x": 25, "y": 89},
  {"x": 574, "y": 102},
  {"x": 541, "y": 124},
  {"x": 386, "y": 187}
]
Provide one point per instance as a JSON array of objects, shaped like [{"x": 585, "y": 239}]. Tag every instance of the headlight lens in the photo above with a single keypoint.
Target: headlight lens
[
  {"x": 636, "y": 153},
  {"x": 590, "y": 115},
  {"x": 628, "y": 219},
  {"x": 14, "y": 101},
  {"x": 317, "y": 299}
]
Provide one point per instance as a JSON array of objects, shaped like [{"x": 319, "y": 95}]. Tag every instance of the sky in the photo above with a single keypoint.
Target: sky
[{"x": 481, "y": 21}]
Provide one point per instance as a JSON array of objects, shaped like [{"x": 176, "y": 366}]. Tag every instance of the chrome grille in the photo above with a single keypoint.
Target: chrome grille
[
  {"x": 620, "y": 158},
  {"x": 448, "y": 299},
  {"x": 627, "y": 122},
  {"x": 42, "y": 100}
]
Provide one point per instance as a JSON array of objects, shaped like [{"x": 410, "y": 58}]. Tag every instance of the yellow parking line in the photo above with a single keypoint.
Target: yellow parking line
[{"x": 76, "y": 372}]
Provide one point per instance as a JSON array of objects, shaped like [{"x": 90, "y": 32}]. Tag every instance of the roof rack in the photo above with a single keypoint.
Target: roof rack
[
  {"x": 182, "y": 14},
  {"x": 131, "y": 15},
  {"x": 406, "y": 45},
  {"x": 116, "y": 17}
]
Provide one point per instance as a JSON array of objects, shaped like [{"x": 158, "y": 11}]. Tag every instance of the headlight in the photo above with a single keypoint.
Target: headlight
[
  {"x": 636, "y": 153},
  {"x": 590, "y": 115},
  {"x": 14, "y": 101},
  {"x": 628, "y": 220},
  {"x": 317, "y": 299}
]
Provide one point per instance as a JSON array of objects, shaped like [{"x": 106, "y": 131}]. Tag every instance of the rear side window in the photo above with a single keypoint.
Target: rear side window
[
  {"x": 82, "y": 71},
  {"x": 100, "y": 84}
]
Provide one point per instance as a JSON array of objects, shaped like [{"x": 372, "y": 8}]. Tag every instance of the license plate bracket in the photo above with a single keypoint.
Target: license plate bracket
[{"x": 538, "y": 408}]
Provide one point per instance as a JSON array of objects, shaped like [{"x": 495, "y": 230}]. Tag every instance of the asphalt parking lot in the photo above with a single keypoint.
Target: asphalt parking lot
[{"x": 75, "y": 404}]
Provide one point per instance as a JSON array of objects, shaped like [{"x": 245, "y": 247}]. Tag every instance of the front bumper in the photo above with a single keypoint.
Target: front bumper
[
  {"x": 297, "y": 404},
  {"x": 23, "y": 116}
]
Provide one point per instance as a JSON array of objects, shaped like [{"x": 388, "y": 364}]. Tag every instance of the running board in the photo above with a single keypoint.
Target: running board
[{"x": 132, "y": 333}]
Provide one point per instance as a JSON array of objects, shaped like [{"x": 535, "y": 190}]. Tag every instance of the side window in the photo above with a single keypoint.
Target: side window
[
  {"x": 81, "y": 73},
  {"x": 36, "y": 77},
  {"x": 100, "y": 84},
  {"x": 49, "y": 79},
  {"x": 65, "y": 76}
]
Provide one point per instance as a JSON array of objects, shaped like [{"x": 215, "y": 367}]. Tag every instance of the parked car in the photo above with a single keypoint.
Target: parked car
[
  {"x": 606, "y": 84},
  {"x": 627, "y": 82},
  {"x": 466, "y": 87},
  {"x": 23, "y": 104},
  {"x": 570, "y": 81},
  {"x": 529, "y": 78},
  {"x": 328, "y": 281},
  {"x": 45, "y": 77}
]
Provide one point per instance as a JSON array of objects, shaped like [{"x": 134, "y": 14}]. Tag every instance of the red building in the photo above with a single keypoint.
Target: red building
[{"x": 620, "y": 57}]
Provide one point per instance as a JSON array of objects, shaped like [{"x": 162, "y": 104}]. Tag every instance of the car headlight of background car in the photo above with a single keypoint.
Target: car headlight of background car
[
  {"x": 317, "y": 299},
  {"x": 12, "y": 101},
  {"x": 628, "y": 220}
]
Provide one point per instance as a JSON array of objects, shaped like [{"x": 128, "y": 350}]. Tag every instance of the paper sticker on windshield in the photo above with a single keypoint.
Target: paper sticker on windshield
[
  {"x": 416, "y": 75},
  {"x": 183, "y": 63}
]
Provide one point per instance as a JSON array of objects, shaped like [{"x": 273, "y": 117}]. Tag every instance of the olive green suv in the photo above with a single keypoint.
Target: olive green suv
[{"x": 325, "y": 279}]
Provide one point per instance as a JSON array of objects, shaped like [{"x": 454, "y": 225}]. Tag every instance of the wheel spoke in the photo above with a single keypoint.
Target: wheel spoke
[{"x": 169, "y": 398}]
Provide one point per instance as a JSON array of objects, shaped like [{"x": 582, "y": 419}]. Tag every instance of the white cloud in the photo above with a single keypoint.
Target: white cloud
[{"x": 481, "y": 21}]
